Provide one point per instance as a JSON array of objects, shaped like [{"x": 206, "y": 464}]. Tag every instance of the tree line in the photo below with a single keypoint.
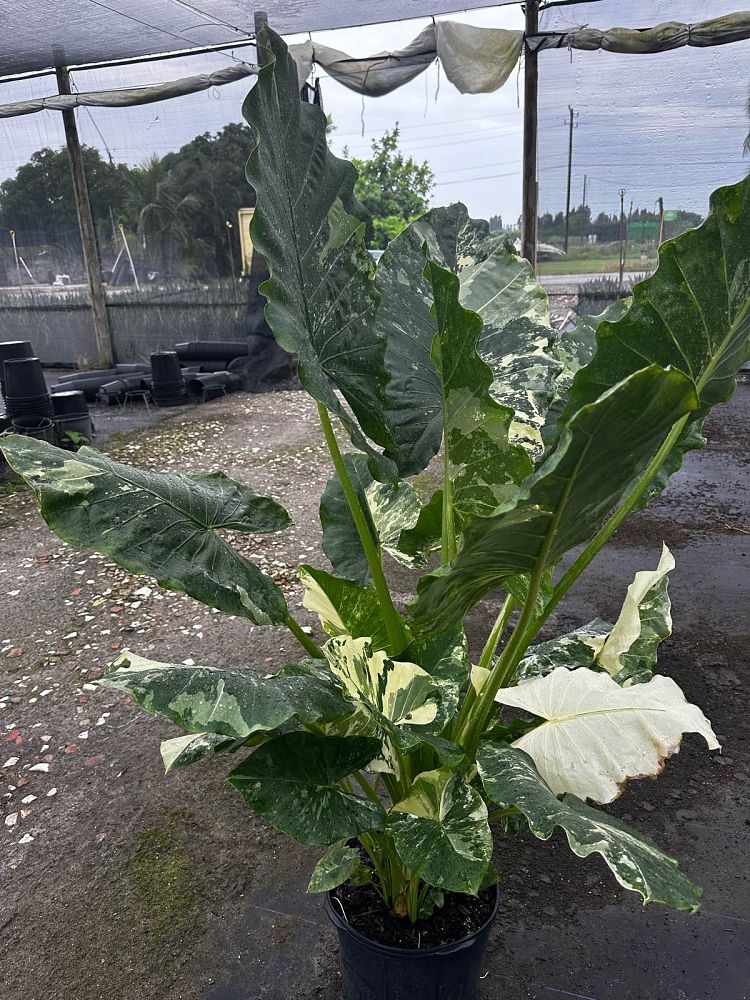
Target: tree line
[{"x": 174, "y": 208}]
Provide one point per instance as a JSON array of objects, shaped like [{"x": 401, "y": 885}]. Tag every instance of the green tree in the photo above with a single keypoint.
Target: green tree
[
  {"x": 395, "y": 190},
  {"x": 39, "y": 203},
  {"x": 163, "y": 215},
  {"x": 211, "y": 170}
]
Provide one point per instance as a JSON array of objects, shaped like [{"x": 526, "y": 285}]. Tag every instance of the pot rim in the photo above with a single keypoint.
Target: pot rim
[{"x": 334, "y": 915}]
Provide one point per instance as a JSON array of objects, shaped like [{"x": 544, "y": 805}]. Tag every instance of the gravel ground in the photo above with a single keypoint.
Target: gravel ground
[{"x": 121, "y": 883}]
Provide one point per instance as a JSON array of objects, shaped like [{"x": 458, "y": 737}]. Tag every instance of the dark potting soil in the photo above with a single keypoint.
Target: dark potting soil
[{"x": 459, "y": 916}]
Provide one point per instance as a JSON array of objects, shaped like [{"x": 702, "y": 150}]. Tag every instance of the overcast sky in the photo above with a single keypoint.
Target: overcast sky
[{"x": 669, "y": 124}]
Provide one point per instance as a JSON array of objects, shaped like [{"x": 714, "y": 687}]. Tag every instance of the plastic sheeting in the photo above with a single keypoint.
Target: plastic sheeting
[
  {"x": 660, "y": 38},
  {"x": 38, "y": 34},
  {"x": 475, "y": 60}
]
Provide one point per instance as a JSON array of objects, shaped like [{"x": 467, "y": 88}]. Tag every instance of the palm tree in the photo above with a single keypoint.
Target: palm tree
[{"x": 162, "y": 217}]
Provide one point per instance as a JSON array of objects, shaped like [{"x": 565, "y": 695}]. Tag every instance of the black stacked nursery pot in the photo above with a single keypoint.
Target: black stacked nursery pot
[
  {"x": 9, "y": 351},
  {"x": 26, "y": 392},
  {"x": 168, "y": 382}
]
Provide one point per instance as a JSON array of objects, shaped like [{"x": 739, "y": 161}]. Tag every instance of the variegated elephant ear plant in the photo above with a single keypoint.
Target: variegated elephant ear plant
[{"x": 386, "y": 734}]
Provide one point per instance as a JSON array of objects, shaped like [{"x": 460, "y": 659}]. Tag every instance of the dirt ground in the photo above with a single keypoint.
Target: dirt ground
[{"x": 121, "y": 883}]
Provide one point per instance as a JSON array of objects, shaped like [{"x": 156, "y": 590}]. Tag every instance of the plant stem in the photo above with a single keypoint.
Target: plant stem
[
  {"x": 497, "y": 630},
  {"x": 397, "y": 638},
  {"x": 607, "y": 530},
  {"x": 487, "y": 653},
  {"x": 448, "y": 533},
  {"x": 305, "y": 641}
]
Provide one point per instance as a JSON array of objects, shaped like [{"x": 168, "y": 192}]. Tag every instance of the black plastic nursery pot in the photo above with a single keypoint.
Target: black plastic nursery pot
[
  {"x": 26, "y": 392},
  {"x": 374, "y": 971},
  {"x": 10, "y": 350},
  {"x": 40, "y": 428}
]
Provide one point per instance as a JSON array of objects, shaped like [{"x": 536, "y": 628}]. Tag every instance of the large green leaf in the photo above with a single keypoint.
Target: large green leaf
[
  {"x": 441, "y": 832},
  {"x": 294, "y": 782},
  {"x": 389, "y": 509},
  {"x": 164, "y": 524},
  {"x": 692, "y": 314},
  {"x": 227, "y": 701},
  {"x": 344, "y": 607},
  {"x": 603, "y": 447},
  {"x": 510, "y": 779},
  {"x": 310, "y": 229},
  {"x": 496, "y": 284}
]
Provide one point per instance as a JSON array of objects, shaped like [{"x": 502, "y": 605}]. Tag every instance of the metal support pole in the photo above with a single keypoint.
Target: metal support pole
[
  {"x": 570, "y": 176},
  {"x": 622, "y": 238},
  {"x": 661, "y": 222},
  {"x": 102, "y": 331},
  {"x": 530, "y": 206}
]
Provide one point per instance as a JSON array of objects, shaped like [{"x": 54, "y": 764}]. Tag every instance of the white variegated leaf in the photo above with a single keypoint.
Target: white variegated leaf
[
  {"x": 645, "y": 619},
  {"x": 184, "y": 750},
  {"x": 402, "y": 693},
  {"x": 597, "y": 735},
  {"x": 578, "y": 648}
]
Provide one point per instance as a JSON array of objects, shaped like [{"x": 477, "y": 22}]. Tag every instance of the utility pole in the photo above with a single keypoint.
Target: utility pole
[
  {"x": 661, "y": 222},
  {"x": 102, "y": 331},
  {"x": 530, "y": 196},
  {"x": 622, "y": 237},
  {"x": 571, "y": 125}
]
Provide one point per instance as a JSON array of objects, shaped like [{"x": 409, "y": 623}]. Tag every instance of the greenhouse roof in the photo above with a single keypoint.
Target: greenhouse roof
[{"x": 40, "y": 34}]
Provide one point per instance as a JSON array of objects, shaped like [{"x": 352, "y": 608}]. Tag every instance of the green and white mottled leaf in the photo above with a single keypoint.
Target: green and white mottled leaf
[
  {"x": 578, "y": 648},
  {"x": 344, "y": 607},
  {"x": 511, "y": 779},
  {"x": 483, "y": 466},
  {"x": 630, "y": 648},
  {"x": 339, "y": 864},
  {"x": 402, "y": 693},
  {"x": 597, "y": 735},
  {"x": 599, "y": 453},
  {"x": 389, "y": 508},
  {"x": 310, "y": 229},
  {"x": 293, "y": 781},
  {"x": 574, "y": 349},
  {"x": 226, "y": 701},
  {"x": 496, "y": 284},
  {"x": 693, "y": 314},
  {"x": 441, "y": 832},
  {"x": 626, "y": 650},
  {"x": 185, "y": 750},
  {"x": 164, "y": 524}
]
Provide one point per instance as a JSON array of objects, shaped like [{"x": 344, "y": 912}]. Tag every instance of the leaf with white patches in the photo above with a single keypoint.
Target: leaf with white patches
[
  {"x": 402, "y": 693},
  {"x": 163, "y": 524},
  {"x": 578, "y": 648},
  {"x": 441, "y": 832},
  {"x": 226, "y": 701},
  {"x": 596, "y": 735},
  {"x": 511, "y": 779},
  {"x": 630, "y": 648},
  {"x": 344, "y": 607},
  {"x": 339, "y": 864},
  {"x": 389, "y": 509},
  {"x": 185, "y": 750}
]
